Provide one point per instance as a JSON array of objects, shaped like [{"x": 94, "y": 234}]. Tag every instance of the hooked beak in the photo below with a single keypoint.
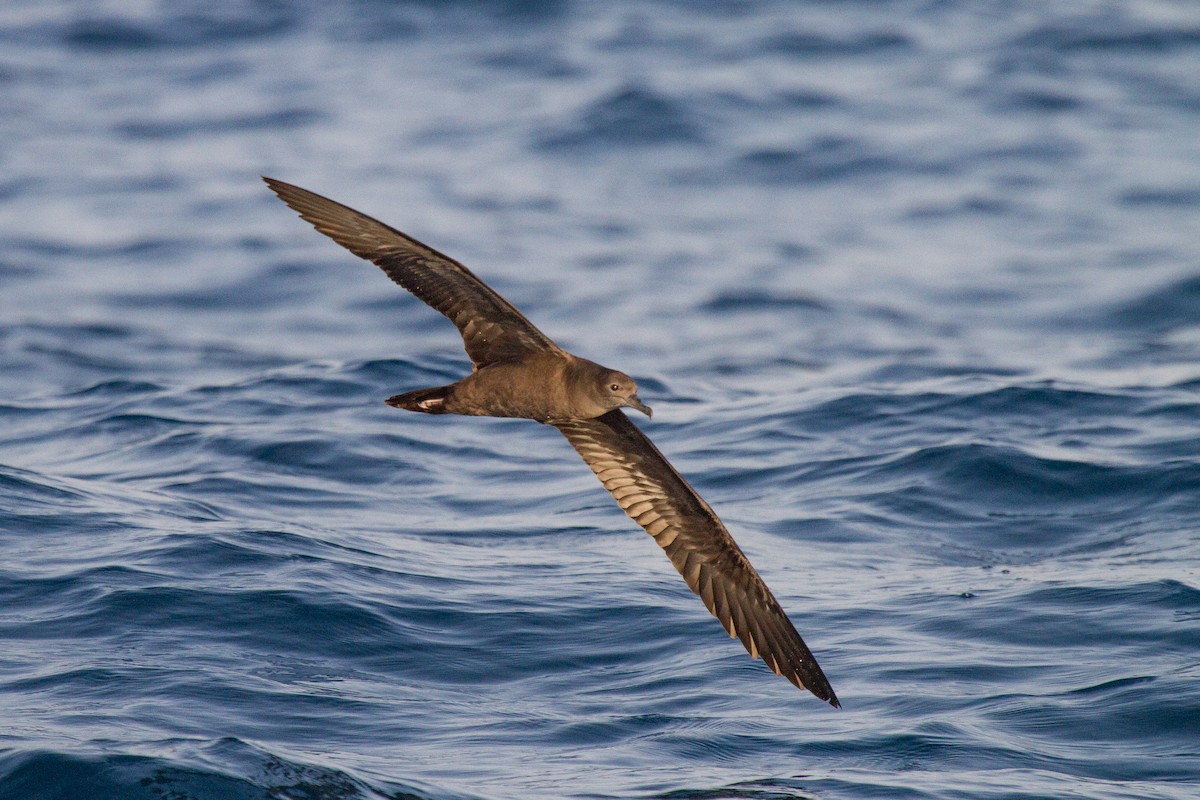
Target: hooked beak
[{"x": 634, "y": 402}]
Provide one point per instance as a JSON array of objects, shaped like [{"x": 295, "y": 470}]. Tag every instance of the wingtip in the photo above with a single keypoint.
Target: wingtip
[
  {"x": 818, "y": 686},
  {"x": 274, "y": 185},
  {"x": 828, "y": 696}
]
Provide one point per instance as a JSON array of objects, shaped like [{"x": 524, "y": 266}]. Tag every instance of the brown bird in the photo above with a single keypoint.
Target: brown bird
[{"x": 519, "y": 372}]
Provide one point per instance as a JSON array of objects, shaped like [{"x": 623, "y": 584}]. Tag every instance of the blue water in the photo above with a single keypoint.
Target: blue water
[{"x": 913, "y": 288}]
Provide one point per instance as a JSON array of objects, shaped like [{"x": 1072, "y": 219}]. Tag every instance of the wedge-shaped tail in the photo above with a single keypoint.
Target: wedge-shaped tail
[{"x": 427, "y": 401}]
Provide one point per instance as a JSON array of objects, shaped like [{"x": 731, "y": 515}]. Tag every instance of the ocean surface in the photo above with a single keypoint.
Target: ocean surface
[{"x": 913, "y": 288}]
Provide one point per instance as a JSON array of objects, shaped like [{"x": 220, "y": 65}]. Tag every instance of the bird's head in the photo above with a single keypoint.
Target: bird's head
[{"x": 618, "y": 389}]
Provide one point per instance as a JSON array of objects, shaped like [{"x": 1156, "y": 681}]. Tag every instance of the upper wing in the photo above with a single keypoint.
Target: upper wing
[
  {"x": 657, "y": 497},
  {"x": 492, "y": 329}
]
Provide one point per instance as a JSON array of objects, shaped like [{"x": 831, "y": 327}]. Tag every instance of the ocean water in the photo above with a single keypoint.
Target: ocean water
[{"x": 914, "y": 290}]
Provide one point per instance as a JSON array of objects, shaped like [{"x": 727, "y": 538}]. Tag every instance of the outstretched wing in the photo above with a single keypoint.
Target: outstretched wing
[
  {"x": 492, "y": 329},
  {"x": 657, "y": 497}
]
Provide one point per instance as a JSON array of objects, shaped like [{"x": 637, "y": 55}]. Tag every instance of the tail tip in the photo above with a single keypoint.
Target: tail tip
[{"x": 426, "y": 401}]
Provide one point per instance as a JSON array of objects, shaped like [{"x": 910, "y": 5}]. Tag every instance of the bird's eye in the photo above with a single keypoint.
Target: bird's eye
[{"x": 615, "y": 387}]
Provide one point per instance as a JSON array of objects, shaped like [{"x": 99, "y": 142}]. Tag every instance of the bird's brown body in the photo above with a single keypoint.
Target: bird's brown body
[
  {"x": 547, "y": 387},
  {"x": 519, "y": 372}
]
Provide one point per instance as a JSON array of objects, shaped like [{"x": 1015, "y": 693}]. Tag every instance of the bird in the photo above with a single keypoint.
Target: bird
[{"x": 518, "y": 371}]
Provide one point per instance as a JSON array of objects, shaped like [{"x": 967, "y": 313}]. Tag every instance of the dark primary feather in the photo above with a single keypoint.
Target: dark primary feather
[
  {"x": 492, "y": 329},
  {"x": 657, "y": 497}
]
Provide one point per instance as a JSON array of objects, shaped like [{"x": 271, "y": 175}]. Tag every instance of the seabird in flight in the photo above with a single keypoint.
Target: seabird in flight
[{"x": 519, "y": 372}]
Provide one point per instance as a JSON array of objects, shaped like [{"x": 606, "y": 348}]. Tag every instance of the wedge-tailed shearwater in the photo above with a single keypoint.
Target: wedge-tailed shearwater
[{"x": 519, "y": 372}]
